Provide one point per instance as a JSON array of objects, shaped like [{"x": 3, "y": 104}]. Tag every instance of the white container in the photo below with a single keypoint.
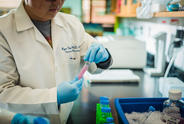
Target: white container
[
  {"x": 156, "y": 7},
  {"x": 165, "y": 84},
  {"x": 127, "y": 52}
]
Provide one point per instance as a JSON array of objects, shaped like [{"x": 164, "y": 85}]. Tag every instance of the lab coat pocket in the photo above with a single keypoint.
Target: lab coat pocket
[
  {"x": 72, "y": 58},
  {"x": 73, "y": 63}
]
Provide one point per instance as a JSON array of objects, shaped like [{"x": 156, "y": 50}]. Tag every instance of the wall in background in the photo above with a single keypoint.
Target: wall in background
[
  {"x": 76, "y": 7},
  {"x": 145, "y": 30},
  {"x": 9, "y": 4}
]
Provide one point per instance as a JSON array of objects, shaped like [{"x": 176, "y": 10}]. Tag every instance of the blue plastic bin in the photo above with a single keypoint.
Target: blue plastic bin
[{"x": 128, "y": 105}]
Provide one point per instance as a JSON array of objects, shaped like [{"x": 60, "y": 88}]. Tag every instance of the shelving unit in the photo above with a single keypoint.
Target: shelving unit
[
  {"x": 159, "y": 14},
  {"x": 170, "y": 14},
  {"x": 127, "y": 16}
]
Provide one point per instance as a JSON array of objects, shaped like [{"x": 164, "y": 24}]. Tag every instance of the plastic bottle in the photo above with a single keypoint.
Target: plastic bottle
[
  {"x": 104, "y": 103},
  {"x": 103, "y": 98},
  {"x": 104, "y": 112},
  {"x": 103, "y": 115},
  {"x": 106, "y": 115},
  {"x": 108, "y": 112},
  {"x": 109, "y": 120},
  {"x": 173, "y": 108}
]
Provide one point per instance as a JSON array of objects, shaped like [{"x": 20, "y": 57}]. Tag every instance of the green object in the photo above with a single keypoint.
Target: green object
[
  {"x": 66, "y": 10},
  {"x": 93, "y": 29},
  {"x": 103, "y": 117},
  {"x": 116, "y": 25}
]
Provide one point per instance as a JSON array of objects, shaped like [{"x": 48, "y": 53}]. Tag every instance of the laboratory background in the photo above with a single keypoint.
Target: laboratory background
[{"x": 146, "y": 41}]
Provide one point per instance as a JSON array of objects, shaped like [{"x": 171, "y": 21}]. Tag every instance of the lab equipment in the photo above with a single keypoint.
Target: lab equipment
[
  {"x": 83, "y": 70},
  {"x": 104, "y": 103},
  {"x": 103, "y": 112},
  {"x": 175, "y": 51},
  {"x": 69, "y": 91},
  {"x": 151, "y": 109},
  {"x": 106, "y": 112},
  {"x": 113, "y": 75},
  {"x": 173, "y": 5},
  {"x": 128, "y": 105},
  {"x": 145, "y": 10},
  {"x": 96, "y": 53},
  {"x": 160, "y": 58},
  {"x": 167, "y": 83},
  {"x": 173, "y": 107},
  {"x": 109, "y": 119},
  {"x": 103, "y": 98},
  {"x": 28, "y": 119},
  {"x": 133, "y": 51},
  {"x": 149, "y": 7}
]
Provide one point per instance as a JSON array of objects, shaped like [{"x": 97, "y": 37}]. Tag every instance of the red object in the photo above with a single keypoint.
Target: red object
[
  {"x": 118, "y": 6},
  {"x": 174, "y": 20},
  {"x": 163, "y": 21}
]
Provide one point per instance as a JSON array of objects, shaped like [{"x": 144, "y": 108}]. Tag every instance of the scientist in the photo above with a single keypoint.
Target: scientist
[{"x": 41, "y": 53}]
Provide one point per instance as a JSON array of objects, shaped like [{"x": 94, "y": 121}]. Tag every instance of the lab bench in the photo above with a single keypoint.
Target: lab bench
[{"x": 84, "y": 109}]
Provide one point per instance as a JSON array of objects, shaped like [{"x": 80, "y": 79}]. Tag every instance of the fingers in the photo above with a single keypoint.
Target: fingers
[
  {"x": 74, "y": 80},
  {"x": 90, "y": 53},
  {"x": 105, "y": 54},
  {"x": 79, "y": 83},
  {"x": 93, "y": 53},
  {"x": 96, "y": 53},
  {"x": 100, "y": 55}
]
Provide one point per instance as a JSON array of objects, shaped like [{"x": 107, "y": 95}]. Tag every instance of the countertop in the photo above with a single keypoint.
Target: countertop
[{"x": 84, "y": 109}]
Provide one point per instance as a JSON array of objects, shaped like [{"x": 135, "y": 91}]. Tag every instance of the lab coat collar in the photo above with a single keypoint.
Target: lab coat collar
[
  {"x": 22, "y": 20},
  {"x": 57, "y": 20}
]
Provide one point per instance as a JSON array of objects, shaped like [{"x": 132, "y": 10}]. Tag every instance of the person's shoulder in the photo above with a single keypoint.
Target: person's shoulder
[
  {"x": 7, "y": 16},
  {"x": 6, "y": 19}
]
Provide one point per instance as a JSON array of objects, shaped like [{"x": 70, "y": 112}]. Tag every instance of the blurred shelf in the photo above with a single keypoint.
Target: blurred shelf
[
  {"x": 170, "y": 14},
  {"x": 126, "y": 16},
  {"x": 159, "y": 14},
  {"x": 103, "y": 19}
]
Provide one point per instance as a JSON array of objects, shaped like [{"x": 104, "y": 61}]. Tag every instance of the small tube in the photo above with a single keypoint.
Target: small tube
[
  {"x": 151, "y": 109},
  {"x": 83, "y": 70}
]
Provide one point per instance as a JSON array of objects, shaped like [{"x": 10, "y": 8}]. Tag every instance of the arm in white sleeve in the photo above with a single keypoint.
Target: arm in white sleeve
[
  {"x": 85, "y": 43},
  {"x": 17, "y": 98}
]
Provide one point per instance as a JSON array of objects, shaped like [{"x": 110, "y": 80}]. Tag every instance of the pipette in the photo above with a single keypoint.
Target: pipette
[
  {"x": 151, "y": 109},
  {"x": 83, "y": 70}
]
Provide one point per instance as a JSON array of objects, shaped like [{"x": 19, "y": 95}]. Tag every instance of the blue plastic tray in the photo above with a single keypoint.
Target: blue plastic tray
[{"x": 128, "y": 105}]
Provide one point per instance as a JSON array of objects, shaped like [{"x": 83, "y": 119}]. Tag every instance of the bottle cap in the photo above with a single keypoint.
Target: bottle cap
[
  {"x": 104, "y": 98},
  {"x": 103, "y": 109},
  {"x": 106, "y": 109},
  {"x": 175, "y": 94},
  {"x": 109, "y": 119},
  {"x": 104, "y": 102},
  {"x": 151, "y": 108}
]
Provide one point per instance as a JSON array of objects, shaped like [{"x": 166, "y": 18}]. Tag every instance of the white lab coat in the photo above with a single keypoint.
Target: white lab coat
[{"x": 30, "y": 69}]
